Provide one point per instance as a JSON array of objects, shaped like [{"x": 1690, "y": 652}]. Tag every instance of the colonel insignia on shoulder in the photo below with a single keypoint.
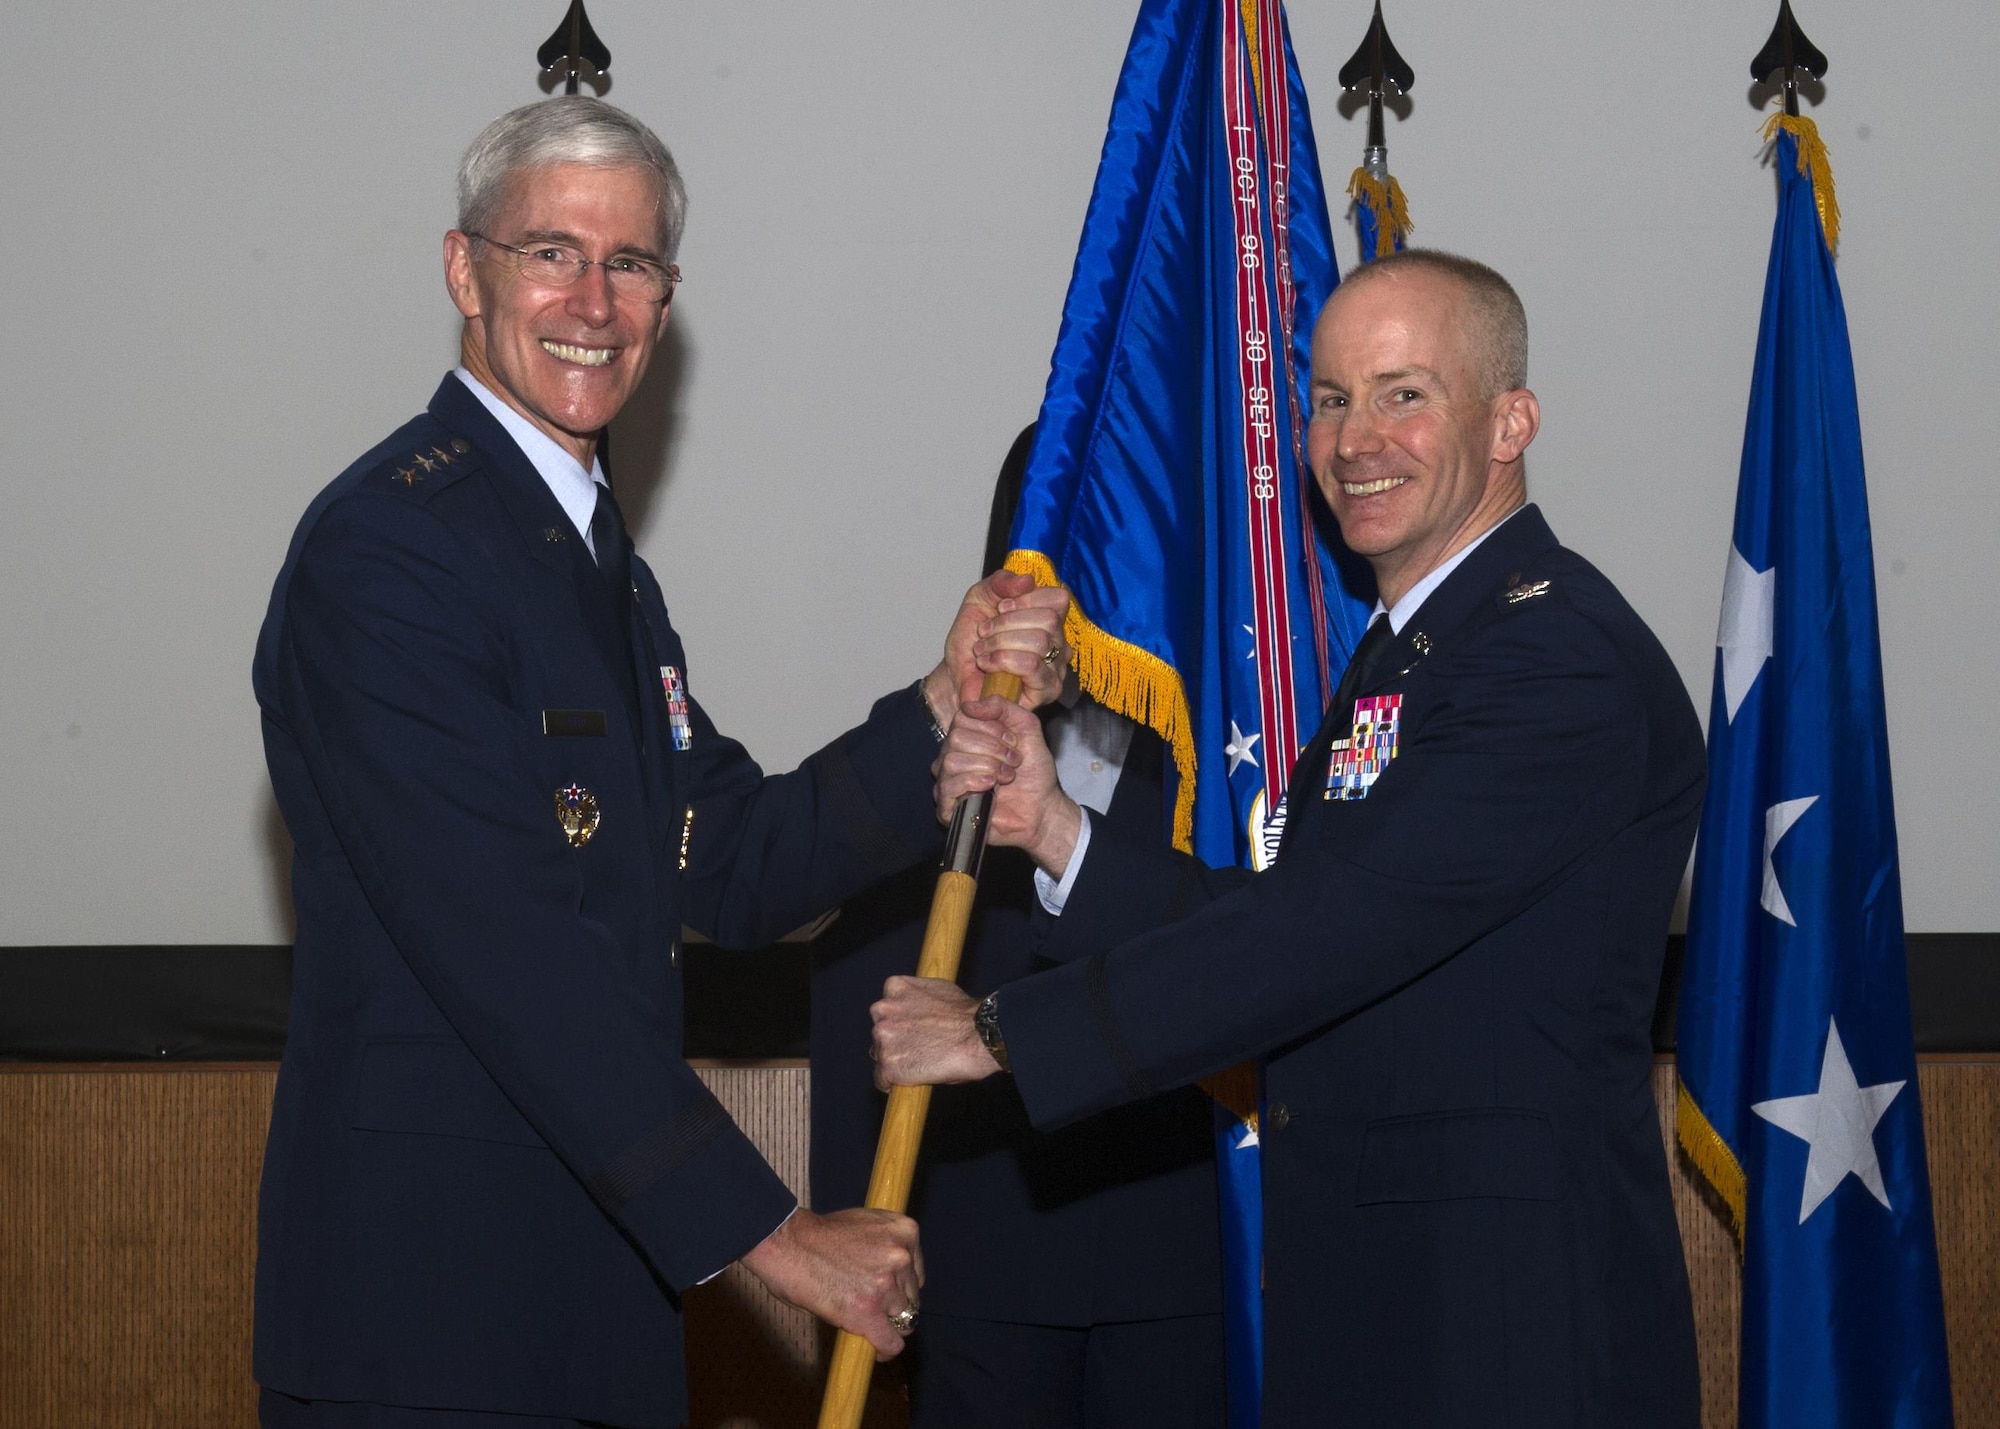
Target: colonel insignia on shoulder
[
  {"x": 577, "y": 812},
  {"x": 677, "y": 707},
  {"x": 1525, "y": 592},
  {"x": 1359, "y": 760}
]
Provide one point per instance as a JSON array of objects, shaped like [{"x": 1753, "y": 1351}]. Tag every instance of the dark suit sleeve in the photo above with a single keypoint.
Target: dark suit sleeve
[
  {"x": 1532, "y": 753},
  {"x": 393, "y": 681},
  {"x": 766, "y": 853}
]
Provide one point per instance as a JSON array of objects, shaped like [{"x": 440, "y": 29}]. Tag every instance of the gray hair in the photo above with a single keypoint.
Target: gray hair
[
  {"x": 569, "y": 129},
  {"x": 1499, "y": 340}
]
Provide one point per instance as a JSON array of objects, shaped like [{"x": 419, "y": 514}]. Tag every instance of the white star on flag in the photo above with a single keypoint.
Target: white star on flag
[
  {"x": 1838, "y": 1122},
  {"x": 1778, "y": 821},
  {"x": 1748, "y": 606},
  {"x": 1238, "y": 748}
]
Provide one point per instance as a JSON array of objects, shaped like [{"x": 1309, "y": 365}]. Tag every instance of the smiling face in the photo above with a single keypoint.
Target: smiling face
[
  {"x": 565, "y": 358},
  {"x": 1415, "y": 459}
]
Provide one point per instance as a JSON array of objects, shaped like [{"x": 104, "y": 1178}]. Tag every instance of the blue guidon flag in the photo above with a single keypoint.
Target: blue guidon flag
[
  {"x": 1167, "y": 487},
  {"x": 1798, "y": 1079}
]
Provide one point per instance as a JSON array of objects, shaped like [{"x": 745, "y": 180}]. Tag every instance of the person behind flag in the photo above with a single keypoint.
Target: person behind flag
[
  {"x": 1072, "y": 1278},
  {"x": 1452, "y": 964}
]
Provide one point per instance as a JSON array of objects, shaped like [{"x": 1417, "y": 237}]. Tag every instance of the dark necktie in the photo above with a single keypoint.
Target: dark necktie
[
  {"x": 1360, "y": 669},
  {"x": 614, "y": 552}
]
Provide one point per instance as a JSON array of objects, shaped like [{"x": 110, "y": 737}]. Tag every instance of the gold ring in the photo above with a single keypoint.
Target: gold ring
[
  {"x": 904, "y": 1320},
  {"x": 1050, "y": 655}
]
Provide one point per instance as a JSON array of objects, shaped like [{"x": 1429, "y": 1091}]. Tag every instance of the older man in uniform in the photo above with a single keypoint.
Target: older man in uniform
[
  {"x": 1451, "y": 967},
  {"x": 491, "y": 1174}
]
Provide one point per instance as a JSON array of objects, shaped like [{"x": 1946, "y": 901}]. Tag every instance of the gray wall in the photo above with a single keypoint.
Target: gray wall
[{"x": 239, "y": 208}]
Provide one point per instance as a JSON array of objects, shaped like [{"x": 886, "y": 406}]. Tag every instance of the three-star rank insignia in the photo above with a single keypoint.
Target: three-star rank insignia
[
  {"x": 577, "y": 812},
  {"x": 1359, "y": 760}
]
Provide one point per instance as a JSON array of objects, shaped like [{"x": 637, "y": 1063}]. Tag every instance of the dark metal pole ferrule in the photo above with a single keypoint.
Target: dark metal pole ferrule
[{"x": 965, "y": 841}]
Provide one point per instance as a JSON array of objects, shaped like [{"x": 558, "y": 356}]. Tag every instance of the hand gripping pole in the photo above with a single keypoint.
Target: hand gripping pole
[{"x": 903, "y": 1123}]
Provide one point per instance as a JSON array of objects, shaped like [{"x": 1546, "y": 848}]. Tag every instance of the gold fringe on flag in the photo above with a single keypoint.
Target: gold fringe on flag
[
  {"x": 1236, "y": 1090},
  {"x": 1815, "y": 165},
  {"x": 1384, "y": 198},
  {"x": 1134, "y": 682},
  {"x": 1712, "y": 1157}
]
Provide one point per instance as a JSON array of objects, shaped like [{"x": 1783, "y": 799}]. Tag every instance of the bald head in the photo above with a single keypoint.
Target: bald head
[
  {"x": 1495, "y": 324},
  {"x": 1420, "y": 418}
]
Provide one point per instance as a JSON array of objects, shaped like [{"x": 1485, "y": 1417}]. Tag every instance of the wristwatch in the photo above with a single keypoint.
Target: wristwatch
[{"x": 986, "y": 1021}]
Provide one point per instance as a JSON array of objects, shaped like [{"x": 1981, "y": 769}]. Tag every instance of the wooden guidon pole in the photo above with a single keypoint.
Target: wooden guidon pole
[{"x": 903, "y": 1123}]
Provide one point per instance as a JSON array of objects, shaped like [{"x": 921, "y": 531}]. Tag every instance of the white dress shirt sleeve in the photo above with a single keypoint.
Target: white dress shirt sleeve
[{"x": 1053, "y": 893}]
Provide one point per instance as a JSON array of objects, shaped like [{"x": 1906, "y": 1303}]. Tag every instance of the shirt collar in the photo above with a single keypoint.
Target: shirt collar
[
  {"x": 574, "y": 489},
  {"x": 1416, "y": 595}
]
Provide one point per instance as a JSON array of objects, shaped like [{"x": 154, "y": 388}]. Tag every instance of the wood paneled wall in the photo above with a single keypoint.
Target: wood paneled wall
[{"x": 127, "y": 1235}]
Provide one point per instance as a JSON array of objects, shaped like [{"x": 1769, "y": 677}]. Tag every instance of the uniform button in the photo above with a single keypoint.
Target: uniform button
[
  {"x": 1097, "y": 766},
  {"x": 674, "y": 956},
  {"x": 460, "y": 445},
  {"x": 1279, "y": 1116}
]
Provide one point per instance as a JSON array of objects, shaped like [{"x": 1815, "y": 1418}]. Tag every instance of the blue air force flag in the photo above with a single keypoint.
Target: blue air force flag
[
  {"x": 1167, "y": 488},
  {"x": 1798, "y": 1080}
]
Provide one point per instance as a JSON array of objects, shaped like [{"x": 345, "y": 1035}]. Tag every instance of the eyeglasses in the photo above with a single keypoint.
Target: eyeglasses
[{"x": 557, "y": 265}]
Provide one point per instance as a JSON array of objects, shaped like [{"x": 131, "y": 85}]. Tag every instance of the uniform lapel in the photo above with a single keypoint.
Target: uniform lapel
[
  {"x": 546, "y": 531},
  {"x": 1518, "y": 541}
]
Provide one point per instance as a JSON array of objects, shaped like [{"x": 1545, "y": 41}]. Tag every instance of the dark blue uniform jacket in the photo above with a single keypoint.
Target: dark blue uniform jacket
[
  {"x": 1467, "y": 1216},
  {"x": 491, "y": 1173}
]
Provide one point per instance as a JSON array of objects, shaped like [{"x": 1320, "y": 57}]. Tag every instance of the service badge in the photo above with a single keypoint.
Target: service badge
[{"x": 577, "y": 812}]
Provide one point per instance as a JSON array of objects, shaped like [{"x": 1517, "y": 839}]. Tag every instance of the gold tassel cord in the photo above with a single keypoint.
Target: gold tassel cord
[
  {"x": 1134, "y": 682},
  {"x": 1816, "y": 166},
  {"x": 1248, "y": 10},
  {"x": 1713, "y": 1158},
  {"x": 1384, "y": 198}
]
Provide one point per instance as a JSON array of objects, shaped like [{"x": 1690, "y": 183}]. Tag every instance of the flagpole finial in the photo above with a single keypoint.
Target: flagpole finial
[
  {"x": 572, "y": 47},
  {"x": 1377, "y": 69},
  {"x": 1786, "y": 53}
]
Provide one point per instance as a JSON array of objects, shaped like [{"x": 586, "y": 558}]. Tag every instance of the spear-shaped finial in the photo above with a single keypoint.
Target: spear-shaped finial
[
  {"x": 1788, "y": 50},
  {"x": 1786, "y": 53},
  {"x": 1378, "y": 67},
  {"x": 571, "y": 47},
  {"x": 1380, "y": 210}
]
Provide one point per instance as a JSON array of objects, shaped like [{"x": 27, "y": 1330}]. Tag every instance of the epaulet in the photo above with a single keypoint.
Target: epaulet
[
  {"x": 1518, "y": 589},
  {"x": 426, "y": 460}
]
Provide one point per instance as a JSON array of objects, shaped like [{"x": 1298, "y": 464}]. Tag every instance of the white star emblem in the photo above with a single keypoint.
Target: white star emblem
[
  {"x": 1778, "y": 821},
  {"x": 1748, "y": 605},
  {"x": 1838, "y": 1122},
  {"x": 1251, "y": 653},
  {"x": 1238, "y": 748}
]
